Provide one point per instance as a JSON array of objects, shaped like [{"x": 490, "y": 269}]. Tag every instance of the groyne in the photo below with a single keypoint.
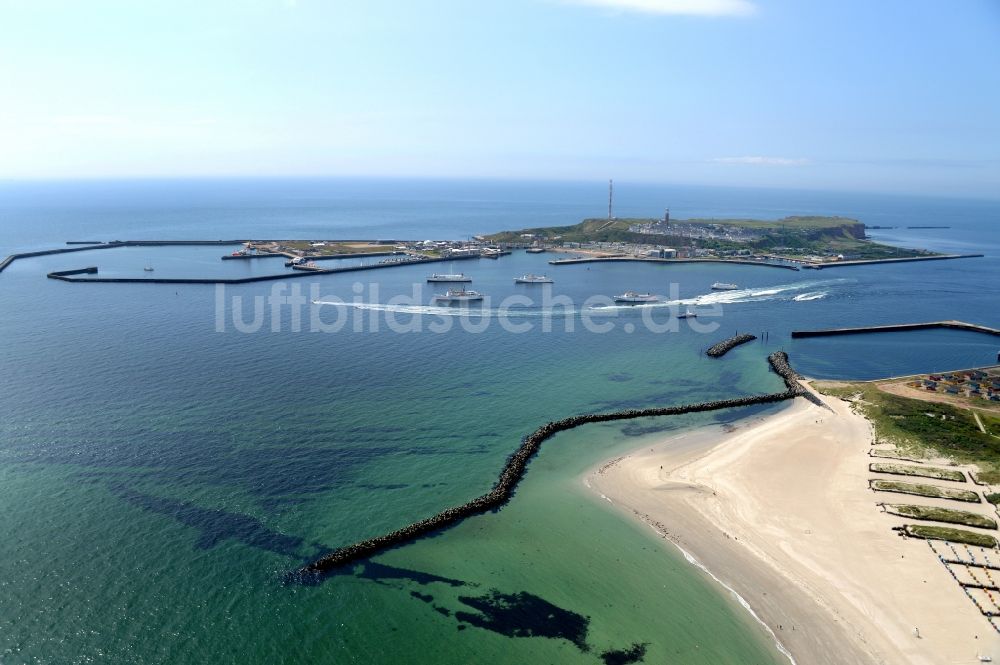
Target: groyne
[
  {"x": 907, "y": 259},
  {"x": 516, "y": 467},
  {"x": 638, "y": 259},
  {"x": 898, "y": 327},
  {"x": 726, "y": 345}
]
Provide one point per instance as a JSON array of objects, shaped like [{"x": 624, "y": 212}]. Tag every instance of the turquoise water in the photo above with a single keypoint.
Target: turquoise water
[{"x": 159, "y": 479}]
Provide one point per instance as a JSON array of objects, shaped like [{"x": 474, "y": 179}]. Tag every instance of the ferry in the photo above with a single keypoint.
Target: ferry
[
  {"x": 459, "y": 295},
  {"x": 456, "y": 277},
  {"x": 633, "y": 298},
  {"x": 724, "y": 286},
  {"x": 535, "y": 250},
  {"x": 532, "y": 279}
]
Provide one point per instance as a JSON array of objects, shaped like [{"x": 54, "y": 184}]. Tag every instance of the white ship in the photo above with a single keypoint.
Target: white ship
[
  {"x": 633, "y": 298},
  {"x": 724, "y": 286},
  {"x": 535, "y": 250},
  {"x": 532, "y": 279},
  {"x": 459, "y": 295},
  {"x": 688, "y": 314},
  {"x": 456, "y": 277}
]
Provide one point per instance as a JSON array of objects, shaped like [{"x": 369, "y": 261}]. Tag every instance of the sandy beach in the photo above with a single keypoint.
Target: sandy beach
[{"x": 779, "y": 510}]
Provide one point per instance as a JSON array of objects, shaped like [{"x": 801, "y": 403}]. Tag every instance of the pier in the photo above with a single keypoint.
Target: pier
[
  {"x": 640, "y": 259},
  {"x": 907, "y": 259},
  {"x": 516, "y": 468},
  {"x": 899, "y": 327}
]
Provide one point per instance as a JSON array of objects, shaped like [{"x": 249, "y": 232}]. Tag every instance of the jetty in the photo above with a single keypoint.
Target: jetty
[
  {"x": 906, "y": 259},
  {"x": 898, "y": 327},
  {"x": 651, "y": 259},
  {"x": 722, "y": 348},
  {"x": 516, "y": 468}
]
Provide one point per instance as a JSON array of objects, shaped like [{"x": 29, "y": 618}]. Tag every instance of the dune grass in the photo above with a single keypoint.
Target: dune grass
[
  {"x": 924, "y": 429},
  {"x": 948, "y": 533},
  {"x": 922, "y": 471},
  {"x": 934, "y": 514},
  {"x": 920, "y": 489}
]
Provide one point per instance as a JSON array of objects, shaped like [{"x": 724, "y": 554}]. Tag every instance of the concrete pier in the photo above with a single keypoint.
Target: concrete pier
[{"x": 900, "y": 327}]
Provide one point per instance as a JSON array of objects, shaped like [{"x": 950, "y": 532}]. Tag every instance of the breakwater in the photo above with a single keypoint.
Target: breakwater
[
  {"x": 898, "y": 327},
  {"x": 637, "y": 259},
  {"x": 516, "y": 467},
  {"x": 79, "y": 246},
  {"x": 352, "y": 255},
  {"x": 723, "y": 347},
  {"x": 907, "y": 259},
  {"x": 67, "y": 277}
]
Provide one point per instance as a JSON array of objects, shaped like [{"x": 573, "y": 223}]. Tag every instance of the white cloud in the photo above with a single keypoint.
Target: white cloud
[
  {"x": 763, "y": 161},
  {"x": 680, "y": 7}
]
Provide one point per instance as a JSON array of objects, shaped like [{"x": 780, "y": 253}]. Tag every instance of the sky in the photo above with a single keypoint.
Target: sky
[{"x": 874, "y": 95}]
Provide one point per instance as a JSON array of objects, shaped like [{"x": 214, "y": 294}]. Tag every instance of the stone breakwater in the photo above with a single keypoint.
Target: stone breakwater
[
  {"x": 723, "y": 347},
  {"x": 516, "y": 466}
]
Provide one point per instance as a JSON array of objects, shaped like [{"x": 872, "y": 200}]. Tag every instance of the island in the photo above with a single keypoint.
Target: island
[{"x": 810, "y": 241}]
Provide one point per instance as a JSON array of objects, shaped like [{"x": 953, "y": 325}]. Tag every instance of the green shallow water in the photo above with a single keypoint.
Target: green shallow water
[{"x": 159, "y": 480}]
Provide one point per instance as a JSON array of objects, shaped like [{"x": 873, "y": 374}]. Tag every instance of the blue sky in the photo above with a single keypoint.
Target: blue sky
[{"x": 885, "y": 95}]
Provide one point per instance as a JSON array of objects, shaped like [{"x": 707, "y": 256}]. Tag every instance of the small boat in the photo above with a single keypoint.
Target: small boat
[
  {"x": 535, "y": 250},
  {"x": 148, "y": 269},
  {"x": 455, "y": 277},
  {"x": 459, "y": 295},
  {"x": 633, "y": 298},
  {"x": 688, "y": 314},
  {"x": 532, "y": 279},
  {"x": 724, "y": 286}
]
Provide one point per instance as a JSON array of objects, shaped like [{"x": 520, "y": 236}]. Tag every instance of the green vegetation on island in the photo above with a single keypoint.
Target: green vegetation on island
[
  {"x": 949, "y": 533},
  {"x": 920, "y": 489},
  {"x": 794, "y": 237},
  {"x": 923, "y": 429},
  {"x": 922, "y": 471},
  {"x": 933, "y": 514}
]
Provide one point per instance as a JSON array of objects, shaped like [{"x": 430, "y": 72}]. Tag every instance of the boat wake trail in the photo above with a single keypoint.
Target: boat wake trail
[{"x": 796, "y": 291}]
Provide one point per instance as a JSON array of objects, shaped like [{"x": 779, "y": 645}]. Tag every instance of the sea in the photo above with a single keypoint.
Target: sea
[{"x": 171, "y": 453}]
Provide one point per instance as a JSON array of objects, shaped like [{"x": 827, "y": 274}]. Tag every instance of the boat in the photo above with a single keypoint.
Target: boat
[
  {"x": 688, "y": 314},
  {"x": 535, "y": 250},
  {"x": 724, "y": 286},
  {"x": 148, "y": 269},
  {"x": 456, "y": 277},
  {"x": 490, "y": 253},
  {"x": 459, "y": 295},
  {"x": 633, "y": 298},
  {"x": 532, "y": 279}
]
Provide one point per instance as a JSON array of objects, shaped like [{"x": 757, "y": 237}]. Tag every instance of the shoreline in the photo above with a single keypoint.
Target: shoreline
[{"x": 752, "y": 508}]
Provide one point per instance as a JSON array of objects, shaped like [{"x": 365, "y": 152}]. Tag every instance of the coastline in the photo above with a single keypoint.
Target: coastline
[{"x": 778, "y": 512}]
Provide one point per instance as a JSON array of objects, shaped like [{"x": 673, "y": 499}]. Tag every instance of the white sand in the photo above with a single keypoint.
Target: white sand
[{"x": 780, "y": 511}]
